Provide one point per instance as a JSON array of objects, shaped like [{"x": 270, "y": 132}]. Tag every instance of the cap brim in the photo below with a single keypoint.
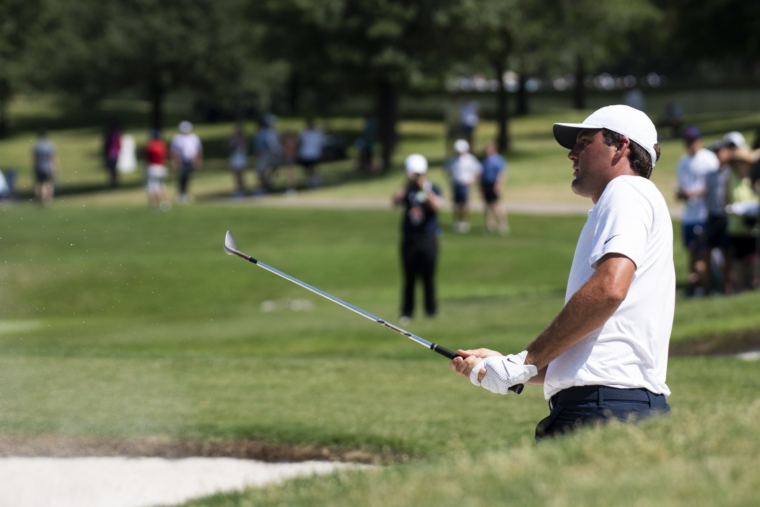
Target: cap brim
[{"x": 566, "y": 134}]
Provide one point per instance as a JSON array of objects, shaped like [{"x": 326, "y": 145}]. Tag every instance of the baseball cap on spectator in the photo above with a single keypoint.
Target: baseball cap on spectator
[
  {"x": 623, "y": 120},
  {"x": 691, "y": 133},
  {"x": 461, "y": 146},
  {"x": 185, "y": 127},
  {"x": 735, "y": 139},
  {"x": 416, "y": 164}
]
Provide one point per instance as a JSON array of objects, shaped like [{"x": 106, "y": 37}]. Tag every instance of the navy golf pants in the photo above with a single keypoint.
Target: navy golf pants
[{"x": 588, "y": 405}]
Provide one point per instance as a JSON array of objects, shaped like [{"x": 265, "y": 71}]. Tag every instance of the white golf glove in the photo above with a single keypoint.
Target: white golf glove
[{"x": 502, "y": 372}]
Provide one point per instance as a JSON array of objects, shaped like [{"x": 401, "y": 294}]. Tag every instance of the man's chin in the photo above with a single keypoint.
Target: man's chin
[{"x": 576, "y": 187}]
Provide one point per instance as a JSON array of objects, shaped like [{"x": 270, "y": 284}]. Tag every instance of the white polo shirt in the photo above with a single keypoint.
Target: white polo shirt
[
  {"x": 631, "y": 349},
  {"x": 187, "y": 146},
  {"x": 691, "y": 176}
]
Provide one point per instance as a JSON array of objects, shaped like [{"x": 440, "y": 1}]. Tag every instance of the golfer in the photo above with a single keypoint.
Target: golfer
[
  {"x": 419, "y": 244},
  {"x": 605, "y": 355}
]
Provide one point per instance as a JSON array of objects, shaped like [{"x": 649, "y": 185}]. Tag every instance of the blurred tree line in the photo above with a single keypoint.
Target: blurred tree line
[{"x": 298, "y": 56}]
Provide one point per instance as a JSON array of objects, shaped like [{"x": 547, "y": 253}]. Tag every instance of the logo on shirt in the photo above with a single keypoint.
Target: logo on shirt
[{"x": 610, "y": 238}]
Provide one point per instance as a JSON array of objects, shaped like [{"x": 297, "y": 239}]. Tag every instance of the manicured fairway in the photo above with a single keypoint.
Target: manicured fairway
[{"x": 121, "y": 323}]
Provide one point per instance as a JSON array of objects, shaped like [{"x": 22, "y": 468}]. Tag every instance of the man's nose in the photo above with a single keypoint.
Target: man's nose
[{"x": 573, "y": 155}]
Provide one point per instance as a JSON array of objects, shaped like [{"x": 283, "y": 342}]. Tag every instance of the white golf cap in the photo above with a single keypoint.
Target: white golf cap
[
  {"x": 185, "y": 127},
  {"x": 461, "y": 146},
  {"x": 735, "y": 138},
  {"x": 623, "y": 120},
  {"x": 416, "y": 164}
]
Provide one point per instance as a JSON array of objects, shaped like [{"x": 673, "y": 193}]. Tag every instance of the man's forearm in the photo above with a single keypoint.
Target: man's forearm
[{"x": 587, "y": 311}]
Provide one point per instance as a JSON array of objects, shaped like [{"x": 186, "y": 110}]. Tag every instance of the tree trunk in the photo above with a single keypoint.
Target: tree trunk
[
  {"x": 5, "y": 97},
  {"x": 294, "y": 93},
  {"x": 522, "y": 96},
  {"x": 502, "y": 108},
  {"x": 387, "y": 116},
  {"x": 157, "y": 93},
  {"x": 579, "y": 99}
]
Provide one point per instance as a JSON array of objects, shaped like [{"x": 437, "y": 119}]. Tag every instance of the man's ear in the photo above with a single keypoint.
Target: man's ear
[{"x": 622, "y": 148}]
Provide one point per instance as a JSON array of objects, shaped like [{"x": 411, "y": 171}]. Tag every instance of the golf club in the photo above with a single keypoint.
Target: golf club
[{"x": 230, "y": 247}]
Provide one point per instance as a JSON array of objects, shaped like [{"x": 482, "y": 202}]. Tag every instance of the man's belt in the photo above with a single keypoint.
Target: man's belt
[{"x": 593, "y": 393}]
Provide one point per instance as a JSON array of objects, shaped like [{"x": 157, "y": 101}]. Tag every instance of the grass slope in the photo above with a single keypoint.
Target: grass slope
[{"x": 120, "y": 323}]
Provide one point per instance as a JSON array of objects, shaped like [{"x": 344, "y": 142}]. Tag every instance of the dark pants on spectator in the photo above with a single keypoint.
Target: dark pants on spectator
[
  {"x": 184, "y": 177},
  {"x": 576, "y": 407},
  {"x": 113, "y": 172},
  {"x": 419, "y": 253}
]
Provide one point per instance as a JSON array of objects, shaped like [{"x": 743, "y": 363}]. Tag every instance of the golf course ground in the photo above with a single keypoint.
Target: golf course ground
[{"x": 126, "y": 329}]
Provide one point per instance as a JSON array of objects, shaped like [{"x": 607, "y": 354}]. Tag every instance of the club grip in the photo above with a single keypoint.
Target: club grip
[{"x": 517, "y": 388}]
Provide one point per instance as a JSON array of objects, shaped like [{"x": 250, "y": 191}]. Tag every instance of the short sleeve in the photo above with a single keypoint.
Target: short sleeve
[{"x": 623, "y": 223}]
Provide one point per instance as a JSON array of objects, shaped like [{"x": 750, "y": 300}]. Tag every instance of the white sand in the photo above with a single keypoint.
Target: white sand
[
  {"x": 133, "y": 482},
  {"x": 752, "y": 355}
]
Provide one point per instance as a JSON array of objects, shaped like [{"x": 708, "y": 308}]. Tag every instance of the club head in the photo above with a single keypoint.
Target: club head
[{"x": 230, "y": 247}]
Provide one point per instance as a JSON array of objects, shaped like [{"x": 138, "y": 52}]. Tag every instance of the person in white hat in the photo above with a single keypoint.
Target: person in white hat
[
  {"x": 187, "y": 156},
  {"x": 419, "y": 235},
  {"x": 464, "y": 169},
  {"x": 605, "y": 355}
]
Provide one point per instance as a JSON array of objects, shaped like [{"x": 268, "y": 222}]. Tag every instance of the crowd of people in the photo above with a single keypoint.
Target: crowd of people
[{"x": 720, "y": 187}]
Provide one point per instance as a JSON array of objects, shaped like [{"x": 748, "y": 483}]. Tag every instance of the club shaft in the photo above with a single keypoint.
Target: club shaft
[
  {"x": 411, "y": 336},
  {"x": 425, "y": 343}
]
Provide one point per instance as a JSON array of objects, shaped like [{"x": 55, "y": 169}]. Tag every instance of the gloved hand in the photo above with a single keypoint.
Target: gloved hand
[{"x": 502, "y": 372}]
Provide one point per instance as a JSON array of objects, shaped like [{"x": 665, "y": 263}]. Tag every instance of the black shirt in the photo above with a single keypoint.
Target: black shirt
[{"x": 419, "y": 217}]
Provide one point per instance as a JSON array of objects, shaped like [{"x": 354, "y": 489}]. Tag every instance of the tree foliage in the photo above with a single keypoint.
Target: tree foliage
[
  {"x": 371, "y": 46},
  {"x": 154, "y": 47},
  {"x": 19, "y": 26}
]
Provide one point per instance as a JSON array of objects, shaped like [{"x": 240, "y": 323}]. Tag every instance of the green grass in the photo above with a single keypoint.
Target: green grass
[{"x": 119, "y": 323}]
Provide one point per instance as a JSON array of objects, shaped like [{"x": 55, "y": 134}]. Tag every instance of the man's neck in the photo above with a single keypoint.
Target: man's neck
[{"x": 628, "y": 172}]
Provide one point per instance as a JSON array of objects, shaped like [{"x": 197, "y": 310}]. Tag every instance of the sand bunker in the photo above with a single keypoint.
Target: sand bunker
[{"x": 137, "y": 482}]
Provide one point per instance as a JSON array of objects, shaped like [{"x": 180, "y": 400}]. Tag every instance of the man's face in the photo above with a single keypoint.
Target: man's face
[
  {"x": 724, "y": 154},
  {"x": 591, "y": 160},
  {"x": 417, "y": 179},
  {"x": 693, "y": 145}
]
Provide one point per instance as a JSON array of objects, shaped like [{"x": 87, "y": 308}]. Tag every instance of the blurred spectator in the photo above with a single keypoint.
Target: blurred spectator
[
  {"x": 735, "y": 140},
  {"x": 127, "y": 161},
  {"x": 238, "y": 146},
  {"x": 267, "y": 148},
  {"x": 693, "y": 167},
  {"x": 419, "y": 241},
  {"x": 187, "y": 156},
  {"x": 6, "y": 192},
  {"x": 756, "y": 167},
  {"x": 311, "y": 141},
  {"x": 156, "y": 172},
  {"x": 469, "y": 117},
  {"x": 491, "y": 182},
  {"x": 111, "y": 149},
  {"x": 716, "y": 235},
  {"x": 464, "y": 168},
  {"x": 365, "y": 145},
  {"x": 7, "y": 184},
  {"x": 742, "y": 219},
  {"x": 46, "y": 168},
  {"x": 289, "y": 158},
  {"x": 634, "y": 98},
  {"x": 672, "y": 117}
]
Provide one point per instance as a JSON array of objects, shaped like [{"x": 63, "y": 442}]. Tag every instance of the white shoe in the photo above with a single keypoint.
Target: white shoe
[
  {"x": 465, "y": 227},
  {"x": 404, "y": 320},
  {"x": 503, "y": 229}
]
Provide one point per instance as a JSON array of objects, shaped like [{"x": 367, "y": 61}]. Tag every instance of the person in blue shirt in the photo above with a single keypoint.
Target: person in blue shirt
[
  {"x": 419, "y": 235},
  {"x": 491, "y": 181}
]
